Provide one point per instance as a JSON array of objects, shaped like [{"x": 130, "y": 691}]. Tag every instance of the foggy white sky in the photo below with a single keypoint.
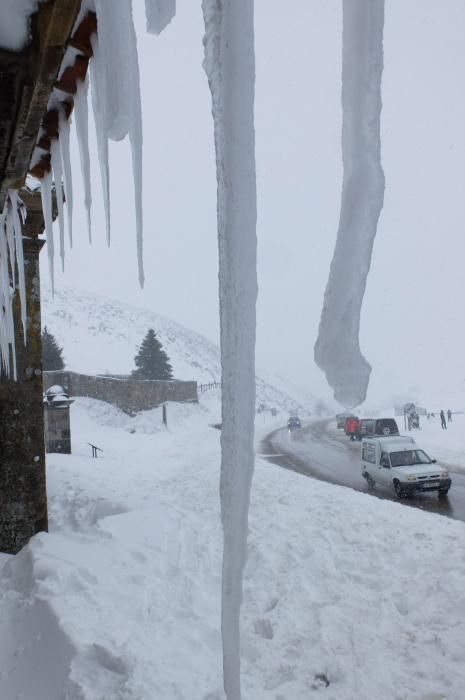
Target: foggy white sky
[{"x": 413, "y": 318}]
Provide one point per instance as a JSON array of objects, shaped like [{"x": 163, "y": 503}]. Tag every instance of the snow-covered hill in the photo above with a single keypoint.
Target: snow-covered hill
[{"x": 102, "y": 335}]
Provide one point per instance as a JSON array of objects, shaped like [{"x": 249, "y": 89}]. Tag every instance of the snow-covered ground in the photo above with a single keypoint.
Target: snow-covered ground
[
  {"x": 121, "y": 600},
  {"x": 448, "y": 445}
]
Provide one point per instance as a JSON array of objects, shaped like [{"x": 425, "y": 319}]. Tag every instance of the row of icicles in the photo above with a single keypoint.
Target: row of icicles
[
  {"x": 116, "y": 104},
  {"x": 11, "y": 266}
]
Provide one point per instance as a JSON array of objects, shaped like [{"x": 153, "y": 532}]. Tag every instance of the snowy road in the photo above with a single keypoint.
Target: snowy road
[{"x": 323, "y": 452}]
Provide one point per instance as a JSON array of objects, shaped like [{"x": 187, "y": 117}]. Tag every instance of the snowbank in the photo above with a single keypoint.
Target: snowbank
[
  {"x": 121, "y": 599},
  {"x": 446, "y": 446}
]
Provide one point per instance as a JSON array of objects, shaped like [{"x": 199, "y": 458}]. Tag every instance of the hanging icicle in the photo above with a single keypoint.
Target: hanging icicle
[
  {"x": 46, "y": 194},
  {"x": 57, "y": 169},
  {"x": 18, "y": 235},
  {"x": 230, "y": 67},
  {"x": 10, "y": 234},
  {"x": 63, "y": 125},
  {"x": 7, "y": 338},
  {"x": 96, "y": 76},
  {"x": 116, "y": 100},
  {"x": 11, "y": 269},
  {"x": 337, "y": 350},
  {"x": 82, "y": 130},
  {"x": 103, "y": 38},
  {"x": 105, "y": 33},
  {"x": 159, "y": 14}
]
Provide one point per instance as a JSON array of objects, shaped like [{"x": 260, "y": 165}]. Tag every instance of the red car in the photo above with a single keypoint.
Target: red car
[{"x": 351, "y": 427}]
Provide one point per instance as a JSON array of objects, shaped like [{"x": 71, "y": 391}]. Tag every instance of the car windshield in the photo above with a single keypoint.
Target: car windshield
[
  {"x": 409, "y": 458},
  {"x": 387, "y": 426}
]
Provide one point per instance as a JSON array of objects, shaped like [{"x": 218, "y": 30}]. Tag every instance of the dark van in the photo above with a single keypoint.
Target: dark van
[{"x": 373, "y": 427}]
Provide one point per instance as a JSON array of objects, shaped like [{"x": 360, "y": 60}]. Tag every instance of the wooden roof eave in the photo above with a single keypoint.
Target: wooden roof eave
[{"x": 27, "y": 78}]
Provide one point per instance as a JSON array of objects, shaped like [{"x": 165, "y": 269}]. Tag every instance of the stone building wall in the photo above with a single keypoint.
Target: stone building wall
[
  {"x": 23, "y": 497},
  {"x": 130, "y": 395}
]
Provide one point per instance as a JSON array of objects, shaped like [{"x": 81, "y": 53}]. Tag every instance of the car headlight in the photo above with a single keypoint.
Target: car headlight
[
  {"x": 411, "y": 478},
  {"x": 444, "y": 475}
]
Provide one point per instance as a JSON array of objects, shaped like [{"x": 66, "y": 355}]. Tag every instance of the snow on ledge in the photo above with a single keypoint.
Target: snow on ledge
[{"x": 15, "y": 22}]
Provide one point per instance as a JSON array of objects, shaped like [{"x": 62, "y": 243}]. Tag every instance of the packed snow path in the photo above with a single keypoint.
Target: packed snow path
[
  {"x": 121, "y": 600},
  {"x": 321, "y": 451}
]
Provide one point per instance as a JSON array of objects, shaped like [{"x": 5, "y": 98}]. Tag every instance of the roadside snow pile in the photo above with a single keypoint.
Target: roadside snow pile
[
  {"x": 95, "y": 415},
  {"x": 121, "y": 599}
]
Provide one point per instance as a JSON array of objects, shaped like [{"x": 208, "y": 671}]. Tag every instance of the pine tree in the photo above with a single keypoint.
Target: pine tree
[
  {"x": 151, "y": 361},
  {"x": 52, "y": 354}
]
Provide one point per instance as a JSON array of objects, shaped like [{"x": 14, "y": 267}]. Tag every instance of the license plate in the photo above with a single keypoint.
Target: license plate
[{"x": 430, "y": 484}]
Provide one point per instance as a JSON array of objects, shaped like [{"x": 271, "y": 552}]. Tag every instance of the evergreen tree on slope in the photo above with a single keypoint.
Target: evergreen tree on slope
[
  {"x": 52, "y": 354},
  {"x": 151, "y": 361}
]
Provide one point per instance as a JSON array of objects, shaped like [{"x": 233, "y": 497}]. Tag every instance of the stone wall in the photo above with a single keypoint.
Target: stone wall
[
  {"x": 130, "y": 395},
  {"x": 23, "y": 497}
]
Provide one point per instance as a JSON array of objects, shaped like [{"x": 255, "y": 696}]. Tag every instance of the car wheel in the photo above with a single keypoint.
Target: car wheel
[
  {"x": 370, "y": 482},
  {"x": 398, "y": 489},
  {"x": 443, "y": 493}
]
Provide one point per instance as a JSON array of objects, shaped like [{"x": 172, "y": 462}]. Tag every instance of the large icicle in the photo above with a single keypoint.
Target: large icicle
[
  {"x": 10, "y": 234},
  {"x": 7, "y": 337},
  {"x": 18, "y": 234},
  {"x": 159, "y": 14},
  {"x": 337, "y": 350},
  {"x": 114, "y": 45},
  {"x": 135, "y": 137},
  {"x": 97, "y": 82},
  {"x": 57, "y": 169},
  {"x": 11, "y": 255},
  {"x": 230, "y": 67},
  {"x": 67, "y": 171},
  {"x": 116, "y": 99},
  {"x": 82, "y": 130},
  {"x": 46, "y": 194}
]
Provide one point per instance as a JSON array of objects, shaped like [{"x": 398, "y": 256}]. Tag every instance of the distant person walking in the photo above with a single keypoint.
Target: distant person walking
[
  {"x": 443, "y": 420},
  {"x": 449, "y": 416}
]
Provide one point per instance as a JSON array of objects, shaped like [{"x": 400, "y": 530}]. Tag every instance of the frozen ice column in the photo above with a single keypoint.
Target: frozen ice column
[
  {"x": 230, "y": 67},
  {"x": 337, "y": 350}
]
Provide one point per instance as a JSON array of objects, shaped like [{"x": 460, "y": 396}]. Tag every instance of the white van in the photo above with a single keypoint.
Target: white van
[{"x": 398, "y": 462}]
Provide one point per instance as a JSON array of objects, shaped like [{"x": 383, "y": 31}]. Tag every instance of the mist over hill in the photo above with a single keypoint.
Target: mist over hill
[{"x": 101, "y": 335}]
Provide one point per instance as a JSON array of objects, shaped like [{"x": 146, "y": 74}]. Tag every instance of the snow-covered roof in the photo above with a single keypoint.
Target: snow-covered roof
[{"x": 55, "y": 389}]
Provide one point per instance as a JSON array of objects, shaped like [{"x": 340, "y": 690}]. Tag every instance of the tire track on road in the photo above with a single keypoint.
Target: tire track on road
[{"x": 315, "y": 453}]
